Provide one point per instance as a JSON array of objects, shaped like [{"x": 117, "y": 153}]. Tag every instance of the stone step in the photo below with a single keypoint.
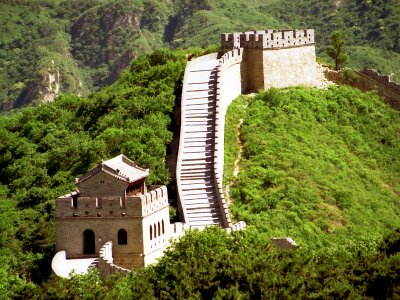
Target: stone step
[
  {"x": 190, "y": 148},
  {"x": 204, "y": 108},
  {"x": 200, "y": 77},
  {"x": 203, "y": 223},
  {"x": 203, "y": 210},
  {"x": 197, "y": 143},
  {"x": 194, "y": 205},
  {"x": 204, "y": 216},
  {"x": 199, "y": 94},
  {"x": 203, "y": 134},
  {"x": 198, "y": 101},
  {"x": 200, "y": 86},
  {"x": 197, "y": 119},
  {"x": 190, "y": 187},
  {"x": 193, "y": 113},
  {"x": 206, "y": 193},
  {"x": 191, "y": 157},
  {"x": 200, "y": 201},
  {"x": 187, "y": 185},
  {"x": 192, "y": 126},
  {"x": 195, "y": 165}
]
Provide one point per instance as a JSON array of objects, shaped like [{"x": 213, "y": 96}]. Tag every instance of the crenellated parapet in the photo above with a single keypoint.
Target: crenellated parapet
[
  {"x": 267, "y": 39},
  {"x": 72, "y": 205},
  {"x": 106, "y": 264}
]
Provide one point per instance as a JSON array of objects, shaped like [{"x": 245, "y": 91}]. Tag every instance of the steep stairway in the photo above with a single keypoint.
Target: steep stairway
[{"x": 195, "y": 171}]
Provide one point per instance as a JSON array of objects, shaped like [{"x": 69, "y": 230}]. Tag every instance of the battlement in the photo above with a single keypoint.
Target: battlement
[
  {"x": 72, "y": 205},
  {"x": 267, "y": 39}
]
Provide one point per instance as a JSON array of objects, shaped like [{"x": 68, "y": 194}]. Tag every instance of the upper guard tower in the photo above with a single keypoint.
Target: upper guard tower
[{"x": 274, "y": 58}]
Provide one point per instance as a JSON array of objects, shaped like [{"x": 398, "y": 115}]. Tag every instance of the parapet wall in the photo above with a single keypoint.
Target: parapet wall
[
  {"x": 71, "y": 205},
  {"x": 228, "y": 87},
  {"x": 267, "y": 39},
  {"x": 369, "y": 80},
  {"x": 106, "y": 265}
]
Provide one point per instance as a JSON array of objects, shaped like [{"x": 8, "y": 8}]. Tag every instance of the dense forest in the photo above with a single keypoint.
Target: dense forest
[
  {"x": 84, "y": 45},
  {"x": 320, "y": 166}
]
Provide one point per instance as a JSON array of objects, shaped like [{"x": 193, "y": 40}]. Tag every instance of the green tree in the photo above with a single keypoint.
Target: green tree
[{"x": 337, "y": 49}]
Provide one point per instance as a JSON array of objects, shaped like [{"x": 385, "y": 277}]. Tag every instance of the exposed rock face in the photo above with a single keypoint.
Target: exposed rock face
[{"x": 45, "y": 89}]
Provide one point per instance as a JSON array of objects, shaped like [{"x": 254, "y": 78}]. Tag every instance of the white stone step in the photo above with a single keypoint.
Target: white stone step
[
  {"x": 199, "y": 94},
  {"x": 200, "y": 86},
  {"x": 197, "y": 101},
  {"x": 204, "y": 76},
  {"x": 189, "y": 187}
]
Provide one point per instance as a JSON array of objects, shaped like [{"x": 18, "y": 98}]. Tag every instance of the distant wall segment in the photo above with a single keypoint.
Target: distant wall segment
[{"x": 369, "y": 80}]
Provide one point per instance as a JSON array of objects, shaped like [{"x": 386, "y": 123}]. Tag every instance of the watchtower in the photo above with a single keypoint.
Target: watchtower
[
  {"x": 274, "y": 58},
  {"x": 112, "y": 204}
]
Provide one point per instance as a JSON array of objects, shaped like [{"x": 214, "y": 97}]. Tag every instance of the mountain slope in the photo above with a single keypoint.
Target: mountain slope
[{"x": 89, "y": 43}]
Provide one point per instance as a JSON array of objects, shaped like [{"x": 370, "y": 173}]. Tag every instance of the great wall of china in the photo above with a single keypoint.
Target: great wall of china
[{"x": 247, "y": 62}]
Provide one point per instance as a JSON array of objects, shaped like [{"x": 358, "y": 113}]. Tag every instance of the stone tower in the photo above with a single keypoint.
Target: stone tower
[
  {"x": 112, "y": 204},
  {"x": 274, "y": 58}
]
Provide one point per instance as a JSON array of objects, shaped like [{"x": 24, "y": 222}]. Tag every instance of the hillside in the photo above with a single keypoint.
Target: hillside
[
  {"x": 49, "y": 46},
  {"x": 319, "y": 166},
  {"x": 324, "y": 170},
  {"x": 44, "y": 148}
]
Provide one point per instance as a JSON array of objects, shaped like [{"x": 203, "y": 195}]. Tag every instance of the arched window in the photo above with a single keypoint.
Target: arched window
[
  {"x": 159, "y": 229},
  {"x": 89, "y": 246},
  {"x": 122, "y": 237},
  {"x": 163, "y": 229},
  {"x": 151, "y": 232},
  {"x": 155, "y": 230}
]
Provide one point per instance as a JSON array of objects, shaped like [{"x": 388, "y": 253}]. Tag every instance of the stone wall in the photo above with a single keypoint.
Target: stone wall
[
  {"x": 73, "y": 205},
  {"x": 290, "y": 67},
  {"x": 369, "y": 80},
  {"x": 229, "y": 87},
  {"x": 106, "y": 265},
  {"x": 267, "y": 39}
]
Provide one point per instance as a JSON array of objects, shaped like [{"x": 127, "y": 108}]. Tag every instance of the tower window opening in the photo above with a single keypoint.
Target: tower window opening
[
  {"x": 122, "y": 237},
  {"x": 151, "y": 232}
]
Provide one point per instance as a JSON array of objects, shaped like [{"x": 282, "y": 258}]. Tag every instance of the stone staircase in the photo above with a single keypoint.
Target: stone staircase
[{"x": 195, "y": 170}]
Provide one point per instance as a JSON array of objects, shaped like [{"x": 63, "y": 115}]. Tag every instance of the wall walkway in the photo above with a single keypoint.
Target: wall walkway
[{"x": 206, "y": 95}]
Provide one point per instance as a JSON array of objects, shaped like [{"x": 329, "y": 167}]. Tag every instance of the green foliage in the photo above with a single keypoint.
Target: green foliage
[
  {"x": 337, "y": 49},
  {"x": 349, "y": 75},
  {"x": 319, "y": 166},
  {"x": 44, "y": 148},
  {"x": 215, "y": 265},
  {"x": 91, "y": 42}
]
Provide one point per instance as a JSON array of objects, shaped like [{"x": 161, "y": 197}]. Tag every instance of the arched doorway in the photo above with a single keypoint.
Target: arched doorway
[{"x": 89, "y": 246}]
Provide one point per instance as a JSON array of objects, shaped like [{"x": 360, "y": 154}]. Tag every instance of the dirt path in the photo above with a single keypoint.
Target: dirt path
[{"x": 237, "y": 160}]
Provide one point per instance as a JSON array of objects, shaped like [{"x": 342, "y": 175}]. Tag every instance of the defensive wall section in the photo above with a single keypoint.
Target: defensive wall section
[
  {"x": 274, "y": 58},
  {"x": 228, "y": 87},
  {"x": 369, "y": 80},
  {"x": 106, "y": 262},
  {"x": 144, "y": 221}
]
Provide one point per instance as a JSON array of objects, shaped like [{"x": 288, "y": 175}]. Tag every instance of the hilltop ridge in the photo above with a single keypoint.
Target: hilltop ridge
[{"x": 88, "y": 44}]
